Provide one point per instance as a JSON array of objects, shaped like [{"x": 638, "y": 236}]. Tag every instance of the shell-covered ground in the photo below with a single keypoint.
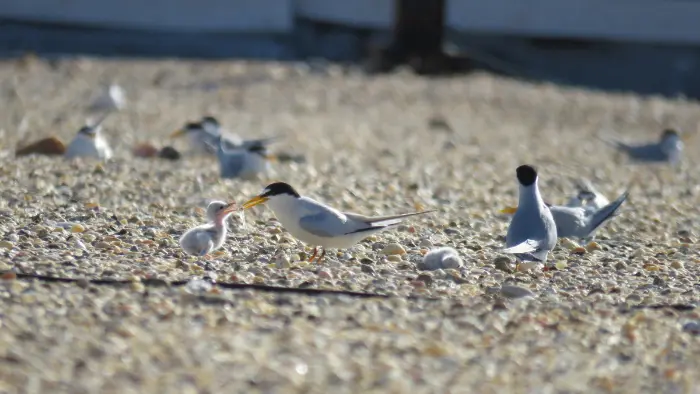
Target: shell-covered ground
[{"x": 619, "y": 317}]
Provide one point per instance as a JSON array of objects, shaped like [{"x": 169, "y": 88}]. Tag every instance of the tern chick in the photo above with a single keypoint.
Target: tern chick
[
  {"x": 532, "y": 233},
  {"x": 89, "y": 142},
  {"x": 318, "y": 224},
  {"x": 204, "y": 239}
]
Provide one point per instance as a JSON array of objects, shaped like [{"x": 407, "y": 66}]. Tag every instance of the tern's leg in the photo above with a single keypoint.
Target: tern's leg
[
  {"x": 323, "y": 254},
  {"x": 311, "y": 260}
]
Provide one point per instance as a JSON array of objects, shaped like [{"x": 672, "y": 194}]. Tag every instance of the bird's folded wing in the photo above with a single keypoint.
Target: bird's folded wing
[
  {"x": 529, "y": 246},
  {"x": 322, "y": 224},
  {"x": 204, "y": 241},
  {"x": 381, "y": 221}
]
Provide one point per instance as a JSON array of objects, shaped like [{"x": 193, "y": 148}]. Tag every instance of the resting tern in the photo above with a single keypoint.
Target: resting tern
[
  {"x": 667, "y": 149},
  {"x": 89, "y": 142},
  {"x": 580, "y": 222},
  {"x": 204, "y": 239},
  {"x": 532, "y": 232},
  {"x": 587, "y": 197},
  {"x": 204, "y": 136},
  {"x": 245, "y": 162},
  {"x": 318, "y": 224}
]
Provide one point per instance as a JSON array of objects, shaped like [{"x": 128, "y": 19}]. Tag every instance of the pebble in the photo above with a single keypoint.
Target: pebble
[
  {"x": 513, "y": 291},
  {"x": 425, "y": 278},
  {"x": 103, "y": 245},
  {"x": 425, "y": 243},
  {"x": 394, "y": 258},
  {"x": 503, "y": 263},
  {"x": 5, "y": 267},
  {"x": 198, "y": 286},
  {"x": 620, "y": 266},
  {"x": 77, "y": 228},
  {"x": 677, "y": 264},
  {"x": 692, "y": 327},
  {"x": 325, "y": 274},
  {"x": 441, "y": 258},
  {"x": 593, "y": 246},
  {"x": 392, "y": 249},
  {"x": 6, "y": 245}
]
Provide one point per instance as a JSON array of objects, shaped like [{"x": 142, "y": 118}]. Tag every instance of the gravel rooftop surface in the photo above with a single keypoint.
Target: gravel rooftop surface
[{"x": 621, "y": 317}]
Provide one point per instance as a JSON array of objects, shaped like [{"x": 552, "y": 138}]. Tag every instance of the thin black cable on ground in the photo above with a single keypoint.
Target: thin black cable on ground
[
  {"x": 224, "y": 285},
  {"x": 278, "y": 289}
]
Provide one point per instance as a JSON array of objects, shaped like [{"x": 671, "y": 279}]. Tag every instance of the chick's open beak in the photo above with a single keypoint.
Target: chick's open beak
[
  {"x": 177, "y": 133},
  {"x": 508, "y": 210},
  {"x": 257, "y": 200}
]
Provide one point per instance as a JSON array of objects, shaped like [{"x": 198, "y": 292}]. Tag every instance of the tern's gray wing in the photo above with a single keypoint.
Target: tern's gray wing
[
  {"x": 604, "y": 214},
  {"x": 647, "y": 153},
  {"x": 570, "y": 221},
  {"x": 324, "y": 222}
]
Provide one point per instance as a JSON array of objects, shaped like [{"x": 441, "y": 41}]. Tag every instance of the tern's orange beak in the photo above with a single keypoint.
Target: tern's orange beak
[
  {"x": 178, "y": 133},
  {"x": 257, "y": 200},
  {"x": 231, "y": 207},
  {"x": 508, "y": 210},
  {"x": 271, "y": 157}
]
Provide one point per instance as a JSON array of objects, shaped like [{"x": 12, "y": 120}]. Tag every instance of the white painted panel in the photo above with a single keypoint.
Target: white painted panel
[
  {"x": 376, "y": 14},
  {"x": 676, "y": 21},
  {"x": 189, "y": 15}
]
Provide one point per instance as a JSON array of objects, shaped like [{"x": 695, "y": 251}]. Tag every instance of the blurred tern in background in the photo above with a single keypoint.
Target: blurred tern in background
[
  {"x": 668, "y": 149},
  {"x": 89, "y": 142},
  {"x": 204, "y": 137},
  {"x": 246, "y": 162},
  {"x": 318, "y": 224}
]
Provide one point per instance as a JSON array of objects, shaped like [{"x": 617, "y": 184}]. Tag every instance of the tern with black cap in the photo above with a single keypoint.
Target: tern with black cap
[
  {"x": 204, "y": 239},
  {"x": 668, "y": 149},
  {"x": 318, "y": 224},
  {"x": 580, "y": 222},
  {"x": 246, "y": 162},
  {"x": 532, "y": 233},
  {"x": 89, "y": 142},
  {"x": 584, "y": 219},
  {"x": 205, "y": 135}
]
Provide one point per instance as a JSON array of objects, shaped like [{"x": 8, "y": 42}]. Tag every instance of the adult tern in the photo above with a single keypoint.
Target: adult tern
[
  {"x": 532, "y": 233},
  {"x": 318, "y": 224},
  {"x": 89, "y": 142}
]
